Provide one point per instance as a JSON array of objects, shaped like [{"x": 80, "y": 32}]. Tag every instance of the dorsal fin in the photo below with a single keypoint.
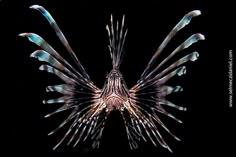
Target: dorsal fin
[{"x": 117, "y": 37}]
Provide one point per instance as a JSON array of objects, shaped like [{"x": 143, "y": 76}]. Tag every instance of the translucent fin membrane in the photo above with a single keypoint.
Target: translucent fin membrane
[
  {"x": 116, "y": 39},
  {"x": 45, "y": 46},
  {"x": 183, "y": 22},
  {"x": 61, "y": 36},
  {"x": 80, "y": 97},
  {"x": 148, "y": 96}
]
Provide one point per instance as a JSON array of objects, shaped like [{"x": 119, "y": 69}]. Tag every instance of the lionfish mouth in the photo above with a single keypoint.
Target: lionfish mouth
[{"x": 114, "y": 102}]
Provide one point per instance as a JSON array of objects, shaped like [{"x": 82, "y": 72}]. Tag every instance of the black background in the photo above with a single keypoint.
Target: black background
[{"x": 207, "y": 127}]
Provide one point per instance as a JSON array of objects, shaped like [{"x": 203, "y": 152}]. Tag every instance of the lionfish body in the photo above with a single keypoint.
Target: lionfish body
[{"x": 90, "y": 106}]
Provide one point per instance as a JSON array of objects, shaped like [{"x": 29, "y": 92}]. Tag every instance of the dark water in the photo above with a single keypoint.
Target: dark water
[{"x": 207, "y": 127}]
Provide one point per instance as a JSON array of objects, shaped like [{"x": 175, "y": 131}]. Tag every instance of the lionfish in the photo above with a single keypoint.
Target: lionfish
[{"x": 90, "y": 106}]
